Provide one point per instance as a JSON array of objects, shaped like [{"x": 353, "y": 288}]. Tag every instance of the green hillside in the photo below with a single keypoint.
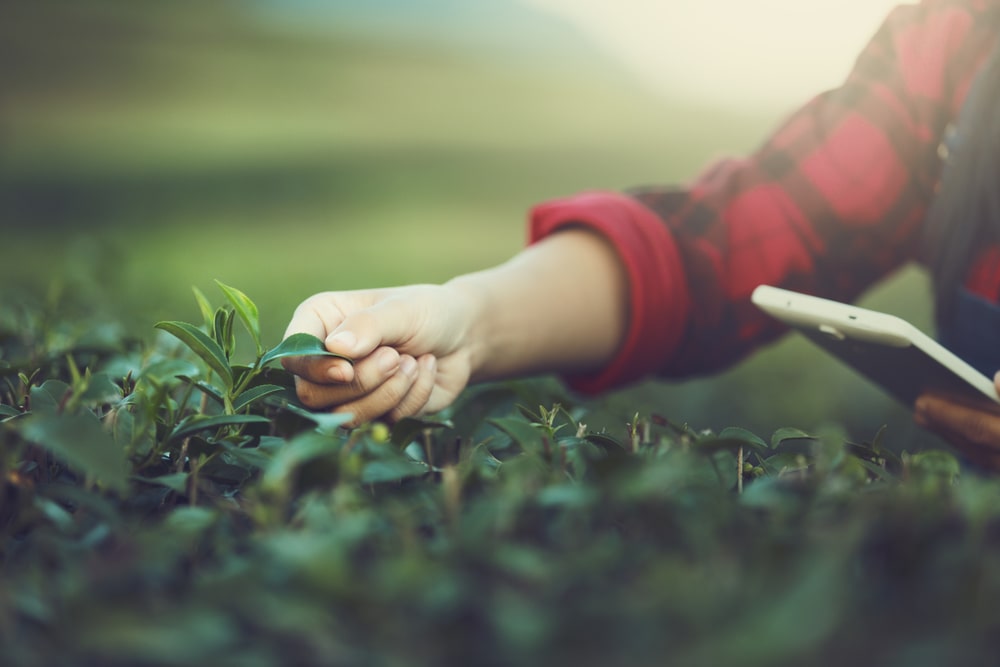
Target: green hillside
[{"x": 149, "y": 148}]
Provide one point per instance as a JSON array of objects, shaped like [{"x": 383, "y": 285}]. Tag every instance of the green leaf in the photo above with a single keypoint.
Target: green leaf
[
  {"x": 300, "y": 450},
  {"x": 205, "y": 388},
  {"x": 713, "y": 444},
  {"x": 204, "y": 306},
  {"x": 223, "y": 327},
  {"x": 377, "y": 472},
  {"x": 255, "y": 394},
  {"x": 202, "y": 345},
  {"x": 80, "y": 441},
  {"x": 877, "y": 470},
  {"x": 8, "y": 411},
  {"x": 191, "y": 425},
  {"x": 783, "y": 434},
  {"x": 326, "y": 422},
  {"x": 521, "y": 432},
  {"x": 406, "y": 430},
  {"x": 176, "y": 482},
  {"x": 935, "y": 462},
  {"x": 246, "y": 309},
  {"x": 743, "y": 434},
  {"x": 47, "y": 397},
  {"x": 298, "y": 345}
]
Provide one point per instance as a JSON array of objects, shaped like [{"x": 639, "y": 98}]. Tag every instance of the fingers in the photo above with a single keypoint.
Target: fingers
[
  {"x": 975, "y": 432},
  {"x": 321, "y": 370},
  {"x": 392, "y": 321},
  {"x": 368, "y": 375},
  {"x": 403, "y": 395},
  {"x": 354, "y": 332},
  {"x": 317, "y": 316},
  {"x": 416, "y": 399}
]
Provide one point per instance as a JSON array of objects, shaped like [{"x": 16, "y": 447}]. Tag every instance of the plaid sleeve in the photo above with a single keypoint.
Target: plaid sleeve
[{"x": 832, "y": 202}]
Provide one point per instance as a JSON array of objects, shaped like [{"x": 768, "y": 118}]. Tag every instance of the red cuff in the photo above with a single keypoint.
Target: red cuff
[{"x": 658, "y": 294}]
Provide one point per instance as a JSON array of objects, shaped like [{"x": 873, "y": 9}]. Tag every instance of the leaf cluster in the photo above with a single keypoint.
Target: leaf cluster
[{"x": 162, "y": 505}]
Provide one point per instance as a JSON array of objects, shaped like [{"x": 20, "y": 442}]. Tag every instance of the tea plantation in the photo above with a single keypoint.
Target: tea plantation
[{"x": 161, "y": 504}]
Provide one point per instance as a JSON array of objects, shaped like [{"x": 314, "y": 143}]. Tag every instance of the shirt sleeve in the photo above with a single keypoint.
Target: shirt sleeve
[{"x": 830, "y": 203}]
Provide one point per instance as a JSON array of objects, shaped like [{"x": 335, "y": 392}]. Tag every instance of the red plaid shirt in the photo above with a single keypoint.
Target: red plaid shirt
[{"x": 832, "y": 202}]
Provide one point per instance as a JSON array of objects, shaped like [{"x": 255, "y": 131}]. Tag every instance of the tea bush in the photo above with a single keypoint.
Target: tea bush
[{"x": 163, "y": 504}]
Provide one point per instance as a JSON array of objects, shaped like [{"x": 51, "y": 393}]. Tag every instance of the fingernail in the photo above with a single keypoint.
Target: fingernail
[
  {"x": 344, "y": 340},
  {"x": 408, "y": 366},
  {"x": 338, "y": 373},
  {"x": 388, "y": 362}
]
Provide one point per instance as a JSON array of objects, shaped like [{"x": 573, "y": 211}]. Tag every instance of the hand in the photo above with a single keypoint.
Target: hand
[
  {"x": 409, "y": 346},
  {"x": 975, "y": 432}
]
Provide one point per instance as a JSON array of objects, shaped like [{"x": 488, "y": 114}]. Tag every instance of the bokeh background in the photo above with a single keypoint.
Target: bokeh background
[{"x": 288, "y": 147}]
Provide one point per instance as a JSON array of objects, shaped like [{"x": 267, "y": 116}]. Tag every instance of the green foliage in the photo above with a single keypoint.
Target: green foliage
[{"x": 161, "y": 505}]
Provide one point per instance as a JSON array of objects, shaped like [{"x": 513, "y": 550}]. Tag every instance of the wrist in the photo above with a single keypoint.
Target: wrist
[{"x": 472, "y": 295}]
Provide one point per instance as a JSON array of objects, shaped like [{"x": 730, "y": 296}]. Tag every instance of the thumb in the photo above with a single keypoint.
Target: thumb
[{"x": 392, "y": 322}]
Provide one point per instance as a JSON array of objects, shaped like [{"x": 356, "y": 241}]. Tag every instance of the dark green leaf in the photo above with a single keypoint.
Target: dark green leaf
[
  {"x": 300, "y": 450},
  {"x": 8, "y": 411},
  {"x": 406, "y": 430},
  {"x": 393, "y": 470},
  {"x": 176, "y": 482},
  {"x": 198, "y": 423},
  {"x": 255, "y": 394},
  {"x": 326, "y": 422},
  {"x": 877, "y": 470},
  {"x": 246, "y": 309},
  {"x": 521, "y": 432},
  {"x": 255, "y": 457},
  {"x": 298, "y": 345},
  {"x": 223, "y": 327},
  {"x": 606, "y": 442},
  {"x": 783, "y": 434},
  {"x": 212, "y": 392},
  {"x": 202, "y": 345},
  {"x": 733, "y": 444},
  {"x": 745, "y": 435},
  {"x": 81, "y": 441}
]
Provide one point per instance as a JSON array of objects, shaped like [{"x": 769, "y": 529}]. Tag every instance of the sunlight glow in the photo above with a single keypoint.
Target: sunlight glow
[{"x": 762, "y": 54}]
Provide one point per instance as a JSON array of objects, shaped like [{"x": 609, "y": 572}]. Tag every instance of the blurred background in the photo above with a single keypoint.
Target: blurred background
[{"x": 289, "y": 147}]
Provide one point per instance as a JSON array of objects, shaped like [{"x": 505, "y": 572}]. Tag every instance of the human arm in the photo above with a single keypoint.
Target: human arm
[{"x": 558, "y": 306}]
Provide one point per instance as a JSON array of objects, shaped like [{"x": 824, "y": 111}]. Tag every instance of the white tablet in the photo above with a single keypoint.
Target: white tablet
[{"x": 886, "y": 349}]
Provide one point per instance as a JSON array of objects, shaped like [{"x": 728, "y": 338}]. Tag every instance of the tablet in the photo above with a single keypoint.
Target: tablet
[{"x": 886, "y": 349}]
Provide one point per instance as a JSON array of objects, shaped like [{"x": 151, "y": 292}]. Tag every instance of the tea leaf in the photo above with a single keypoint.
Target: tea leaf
[
  {"x": 406, "y": 430},
  {"x": 744, "y": 435},
  {"x": 223, "y": 327},
  {"x": 521, "y": 432},
  {"x": 326, "y": 422},
  {"x": 207, "y": 389},
  {"x": 204, "y": 306},
  {"x": 298, "y": 451},
  {"x": 176, "y": 482},
  {"x": 378, "y": 472},
  {"x": 202, "y": 345},
  {"x": 191, "y": 425},
  {"x": 298, "y": 345},
  {"x": 255, "y": 394},
  {"x": 783, "y": 434},
  {"x": 80, "y": 441},
  {"x": 246, "y": 309},
  {"x": 8, "y": 411}
]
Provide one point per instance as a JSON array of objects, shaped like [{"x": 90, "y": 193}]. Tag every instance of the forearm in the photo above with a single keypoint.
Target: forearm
[{"x": 558, "y": 306}]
